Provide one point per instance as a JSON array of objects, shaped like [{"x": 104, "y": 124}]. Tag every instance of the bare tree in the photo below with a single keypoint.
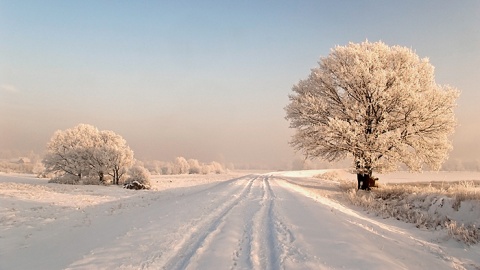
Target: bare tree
[{"x": 379, "y": 105}]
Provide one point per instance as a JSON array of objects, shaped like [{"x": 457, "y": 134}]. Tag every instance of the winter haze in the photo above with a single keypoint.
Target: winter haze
[{"x": 208, "y": 80}]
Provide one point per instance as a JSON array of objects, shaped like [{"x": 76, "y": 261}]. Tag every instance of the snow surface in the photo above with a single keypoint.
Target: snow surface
[{"x": 281, "y": 220}]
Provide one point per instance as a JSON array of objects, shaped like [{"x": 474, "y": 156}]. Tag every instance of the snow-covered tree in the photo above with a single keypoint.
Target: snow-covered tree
[
  {"x": 206, "y": 169},
  {"x": 378, "y": 104},
  {"x": 167, "y": 168},
  {"x": 154, "y": 166},
  {"x": 180, "y": 166},
  {"x": 216, "y": 167},
  {"x": 114, "y": 154},
  {"x": 67, "y": 151},
  {"x": 84, "y": 151},
  {"x": 194, "y": 166},
  {"x": 38, "y": 169}
]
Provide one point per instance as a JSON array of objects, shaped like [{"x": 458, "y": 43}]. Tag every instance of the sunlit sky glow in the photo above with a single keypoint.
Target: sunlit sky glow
[{"x": 207, "y": 79}]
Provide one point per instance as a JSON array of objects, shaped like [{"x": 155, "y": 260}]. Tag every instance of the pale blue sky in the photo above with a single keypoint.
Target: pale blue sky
[{"x": 207, "y": 79}]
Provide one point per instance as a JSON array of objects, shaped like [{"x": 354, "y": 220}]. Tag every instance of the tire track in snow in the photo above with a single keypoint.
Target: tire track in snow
[
  {"x": 283, "y": 251},
  {"x": 266, "y": 250},
  {"x": 242, "y": 254},
  {"x": 172, "y": 238},
  {"x": 196, "y": 235},
  {"x": 231, "y": 225}
]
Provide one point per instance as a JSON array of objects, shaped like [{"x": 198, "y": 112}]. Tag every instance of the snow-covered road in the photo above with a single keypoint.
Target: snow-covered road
[{"x": 251, "y": 222}]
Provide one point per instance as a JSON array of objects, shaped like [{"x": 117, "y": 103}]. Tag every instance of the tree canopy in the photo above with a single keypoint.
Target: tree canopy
[
  {"x": 376, "y": 103},
  {"x": 84, "y": 151}
]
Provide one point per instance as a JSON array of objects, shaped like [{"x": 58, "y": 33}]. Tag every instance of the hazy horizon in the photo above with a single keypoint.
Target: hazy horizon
[{"x": 208, "y": 80}]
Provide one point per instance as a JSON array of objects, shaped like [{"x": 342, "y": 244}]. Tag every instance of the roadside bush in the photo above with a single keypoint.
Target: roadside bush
[{"x": 140, "y": 175}]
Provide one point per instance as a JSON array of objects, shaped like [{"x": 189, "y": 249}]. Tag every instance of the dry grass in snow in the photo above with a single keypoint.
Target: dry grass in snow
[{"x": 454, "y": 206}]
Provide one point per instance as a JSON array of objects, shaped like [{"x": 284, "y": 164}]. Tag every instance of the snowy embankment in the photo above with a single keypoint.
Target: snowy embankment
[
  {"x": 432, "y": 200},
  {"x": 257, "y": 221},
  {"x": 445, "y": 203}
]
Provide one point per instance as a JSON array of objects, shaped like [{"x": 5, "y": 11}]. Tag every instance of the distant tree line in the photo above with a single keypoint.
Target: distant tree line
[
  {"x": 32, "y": 167},
  {"x": 182, "y": 165},
  {"x": 84, "y": 154}
]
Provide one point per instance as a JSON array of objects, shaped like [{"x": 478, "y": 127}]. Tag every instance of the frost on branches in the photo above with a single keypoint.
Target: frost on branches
[
  {"x": 85, "y": 152},
  {"x": 379, "y": 105}
]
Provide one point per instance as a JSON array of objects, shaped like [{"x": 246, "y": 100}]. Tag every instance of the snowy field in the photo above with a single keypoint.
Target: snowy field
[{"x": 279, "y": 220}]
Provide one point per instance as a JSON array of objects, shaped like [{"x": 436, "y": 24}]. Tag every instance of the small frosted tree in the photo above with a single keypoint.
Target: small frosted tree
[
  {"x": 379, "y": 105},
  {"x": 114, "y": 155},
  {"x": 84, "y": 151},
  {"x": 167, "y": 168},
  {"x": 216, "y": 167},
  {"x": 194, "y": 166},
  {"x": 180, "y": 166}
]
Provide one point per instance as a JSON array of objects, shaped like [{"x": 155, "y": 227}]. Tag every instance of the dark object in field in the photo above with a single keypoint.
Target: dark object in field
[
  {"x": 134, "y": 185},
  {"x": 366, "y": 181}
]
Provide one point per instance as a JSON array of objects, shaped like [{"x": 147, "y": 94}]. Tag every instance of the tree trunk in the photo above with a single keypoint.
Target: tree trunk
[
  {"x": 115, "y": 176},
  {"x": 364, "y": 181}
]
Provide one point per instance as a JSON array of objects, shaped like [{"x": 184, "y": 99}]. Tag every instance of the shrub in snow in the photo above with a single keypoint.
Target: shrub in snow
[
  {"x": 451, "y": 206},
  {"x": 138, "y": 176},
  {"x": 469, "y": 234},
  {"x": 135, "y": 185}
]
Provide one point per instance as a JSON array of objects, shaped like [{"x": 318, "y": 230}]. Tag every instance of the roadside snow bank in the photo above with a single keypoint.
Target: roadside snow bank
[
  {"x": 429, "y": 203},
  {"x": 455, "y": 208}
]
